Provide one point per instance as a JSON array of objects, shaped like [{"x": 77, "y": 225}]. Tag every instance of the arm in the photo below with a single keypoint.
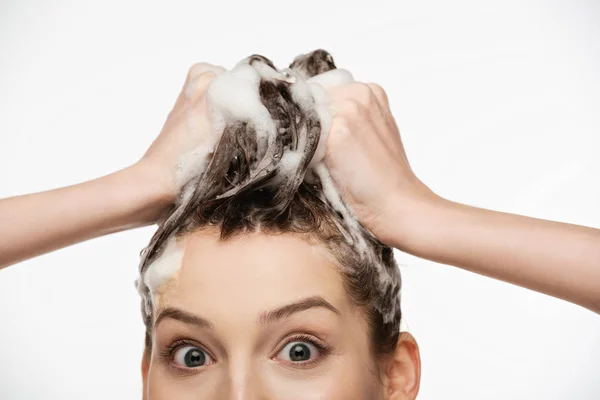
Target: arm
[
  {"x": 558, "y": 259},
  {"x": 38, "y": 223},
  {"x": 367, "y": 161},
  {"x": 35, "y": 224}
]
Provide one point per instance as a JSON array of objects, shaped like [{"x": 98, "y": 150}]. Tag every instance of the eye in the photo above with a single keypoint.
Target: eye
[
  {"x": 299, "y": 352},
  {"x": 191, "y": 357}
]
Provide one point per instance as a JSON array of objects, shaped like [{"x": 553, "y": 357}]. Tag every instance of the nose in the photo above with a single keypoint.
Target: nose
[{"x": 244, "y": 384}]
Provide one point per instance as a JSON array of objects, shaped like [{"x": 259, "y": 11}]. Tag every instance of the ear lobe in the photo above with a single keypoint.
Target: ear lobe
[
  {"x": 403, "y": 370},
  {"x": 145, "y": 369}
]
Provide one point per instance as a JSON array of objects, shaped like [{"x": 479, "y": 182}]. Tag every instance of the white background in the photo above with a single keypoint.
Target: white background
[{"x": 498, "y": 104}]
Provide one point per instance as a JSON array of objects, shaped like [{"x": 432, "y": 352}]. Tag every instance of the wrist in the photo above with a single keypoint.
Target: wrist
[
  {"x": 412, "y": 218},
  {"x": 147, "y": 193}
]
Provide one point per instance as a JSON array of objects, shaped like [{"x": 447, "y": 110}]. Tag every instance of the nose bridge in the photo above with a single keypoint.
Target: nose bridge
[{"x": 244, "y": 382}]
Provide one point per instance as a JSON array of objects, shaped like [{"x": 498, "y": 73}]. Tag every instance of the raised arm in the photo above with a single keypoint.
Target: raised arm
[
  {"x": 38, "y": 223},
  {"x": 35, "y": 224},
  {"x": 558, "y": 259}
]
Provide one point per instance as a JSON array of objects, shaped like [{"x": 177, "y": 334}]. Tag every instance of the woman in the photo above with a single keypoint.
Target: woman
[{"x": 268, "y": 312}]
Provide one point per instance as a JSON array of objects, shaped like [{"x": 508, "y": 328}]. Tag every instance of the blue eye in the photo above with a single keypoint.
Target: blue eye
[
  {"x": 299, "y": 352},
  {"x": 191, "y": 357}
]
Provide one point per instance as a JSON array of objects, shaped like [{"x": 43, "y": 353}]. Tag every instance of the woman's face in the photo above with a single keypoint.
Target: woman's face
[{"x": 259, "y": 317}]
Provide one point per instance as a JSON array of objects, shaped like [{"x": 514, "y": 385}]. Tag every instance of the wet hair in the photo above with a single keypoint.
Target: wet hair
[{"x": 242, "y": 190}]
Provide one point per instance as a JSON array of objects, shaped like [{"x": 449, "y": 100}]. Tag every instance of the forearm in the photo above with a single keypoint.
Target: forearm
[
  {"x": 38, "y": 223},
  {"x": 558, "y": 259}
]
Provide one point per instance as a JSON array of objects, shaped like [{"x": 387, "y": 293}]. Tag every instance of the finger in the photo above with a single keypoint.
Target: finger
[
  {"x": 368, "y": 94},
  {"x": 194, "y": 82},
  {"x": 382, "y": 116},
  {"x": 357, "y": 91},
  {"x": 379, "y": 94},
  {"x": 332, "y": 78},
  {"x": 338, "y": 132},
  {"x": 384, "y": 105},
  {"x": 337, "y": 142},
  {"x": 192, "y": 93},
  {"x": 196, "y": 88},
  {"x": 200, "y": 68},
  {"x": 348, "y": 108},
  {"x": 359, "y": 103},
  {"x": 365, "y": 107},
  {"x": 366, "y": 97}
]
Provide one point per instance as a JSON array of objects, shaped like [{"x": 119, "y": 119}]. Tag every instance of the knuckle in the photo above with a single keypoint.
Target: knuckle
[
  {"x": 205, "y": 78},
  {"x": 339, "y": 131},
  {"x": 201, "y": 68},
  {"x": 351, "y": 107},
  {"x": 196, "y": 70},
  {"x": 380, "y": 93},
  {"x": 339, "y": 123},
  {"x": 197, "y": 86},
  {"x": 363, "y": 93},
  {"x": 377, "y": 90}
]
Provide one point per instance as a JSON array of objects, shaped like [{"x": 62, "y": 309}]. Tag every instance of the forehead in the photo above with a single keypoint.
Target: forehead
[{"x": 252, "y": 272}]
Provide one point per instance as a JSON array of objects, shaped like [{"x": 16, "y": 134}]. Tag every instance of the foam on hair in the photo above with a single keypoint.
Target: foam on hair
[{"x": 270, "y": 129}]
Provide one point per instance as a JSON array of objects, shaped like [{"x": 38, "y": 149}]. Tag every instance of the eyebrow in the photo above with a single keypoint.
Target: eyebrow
[
  {"x": 183, "y": 316},
  {"x": 273, "y": 316},
  {"x": 265, "y": 318}
]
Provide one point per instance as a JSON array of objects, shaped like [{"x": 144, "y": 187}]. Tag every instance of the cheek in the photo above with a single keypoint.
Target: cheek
[
  {"x": 348, "y": 376},
  {"x": 164, "y": 385},
  {"x": 345, "y": 379}
]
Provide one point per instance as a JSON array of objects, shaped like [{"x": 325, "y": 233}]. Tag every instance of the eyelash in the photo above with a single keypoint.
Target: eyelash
[
  {"x": 324, "y": 349},
  {"x": 168, "y": 353}
]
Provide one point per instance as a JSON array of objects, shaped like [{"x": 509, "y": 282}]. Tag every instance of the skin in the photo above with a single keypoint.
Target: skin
[
  {"x": 248, "y": 358},
  {"x": 133, "y": 197},
  {"x": 370, "y": 168},
  {"x": 368, "y": 163}
]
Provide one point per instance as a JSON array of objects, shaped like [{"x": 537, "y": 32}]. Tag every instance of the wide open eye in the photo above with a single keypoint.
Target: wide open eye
[
  {"x": 191, "y": 357},
  {"x": 299, "y": 352}
]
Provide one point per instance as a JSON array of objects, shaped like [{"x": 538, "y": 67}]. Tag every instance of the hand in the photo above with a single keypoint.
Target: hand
[
  {"x": 187, "y": 128},
  {"x": 366, "y": 158},
  {"x": 368, "y": 164}
]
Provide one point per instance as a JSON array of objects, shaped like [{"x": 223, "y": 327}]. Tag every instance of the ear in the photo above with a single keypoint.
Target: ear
[
  {"x": 145, "y": 369},
  {"x": 403, "y": 370}
]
